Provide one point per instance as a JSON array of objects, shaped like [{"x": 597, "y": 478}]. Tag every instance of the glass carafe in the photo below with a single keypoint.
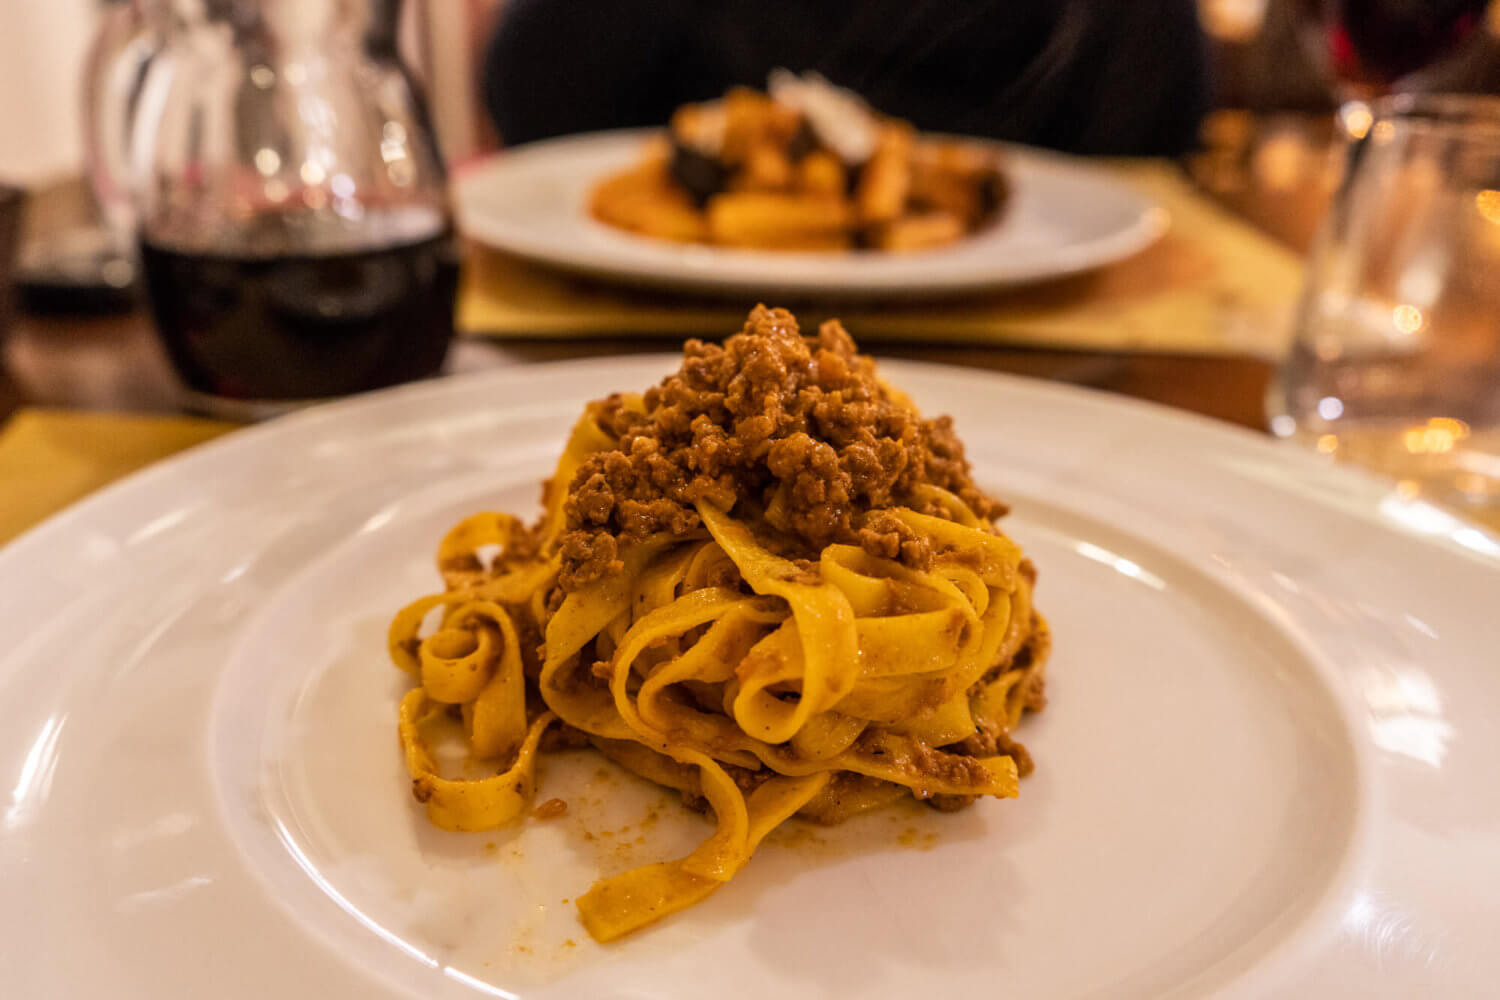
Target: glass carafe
[{"x": 290, "y": 203}]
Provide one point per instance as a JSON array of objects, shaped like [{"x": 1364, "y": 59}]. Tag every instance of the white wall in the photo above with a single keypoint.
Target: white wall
[
  {"x": 44, "y": 43},
  {"x": 42, "y": 48}
]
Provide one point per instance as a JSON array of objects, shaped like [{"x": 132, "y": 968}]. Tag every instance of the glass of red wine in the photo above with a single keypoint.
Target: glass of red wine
[
  {"x": 290, "y": 202},
  {"x": 1374, "y": 47}
]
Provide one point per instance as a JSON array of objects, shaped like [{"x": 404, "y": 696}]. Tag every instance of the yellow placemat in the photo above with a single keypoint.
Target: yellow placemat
[
  {"x": 1212, "y": 285},
  {"x": 48, "y": 459}
]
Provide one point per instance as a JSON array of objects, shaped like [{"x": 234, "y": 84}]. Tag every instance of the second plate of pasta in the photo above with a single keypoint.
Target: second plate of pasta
[{"x": 1063, "y": 216}]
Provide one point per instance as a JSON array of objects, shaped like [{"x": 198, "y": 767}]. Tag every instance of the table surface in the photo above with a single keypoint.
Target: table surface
[{"x": 1270, "y": 170}]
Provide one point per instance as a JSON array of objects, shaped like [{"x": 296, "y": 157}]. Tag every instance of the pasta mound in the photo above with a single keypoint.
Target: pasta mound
[{"x": 767, "y": 583}]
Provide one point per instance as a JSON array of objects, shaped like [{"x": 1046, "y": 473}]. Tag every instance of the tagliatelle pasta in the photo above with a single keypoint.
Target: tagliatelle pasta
[{"x": 726, "y": 596}]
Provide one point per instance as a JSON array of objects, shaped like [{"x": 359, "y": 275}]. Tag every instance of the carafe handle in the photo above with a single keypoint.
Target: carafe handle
[{"x": 115, "y": 72}]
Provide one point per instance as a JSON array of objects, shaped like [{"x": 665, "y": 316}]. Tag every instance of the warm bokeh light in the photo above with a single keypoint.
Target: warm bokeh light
[
  {"x": 1449, "y": 425},
  {"x": 1488, "y": 204},
  {"x": 1283, "y": 162},
  {"x": 1328, "y": 444},
  {"x": 267, "y": 160},
  {"x": 1408, "y": 318},
  {"x": 1232, "y": 20},
  {"x": 1436, "y": 437},
  {"x": 1357, "y": 120}
]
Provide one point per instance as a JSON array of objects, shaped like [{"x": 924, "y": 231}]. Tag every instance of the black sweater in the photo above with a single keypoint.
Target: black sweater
[{"x": 1089, "y": 76}]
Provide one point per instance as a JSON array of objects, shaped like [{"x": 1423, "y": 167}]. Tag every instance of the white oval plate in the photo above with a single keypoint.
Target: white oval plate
[
  {"x": 1064, "y": 216},
  {"x": 1267, "y": 768}
]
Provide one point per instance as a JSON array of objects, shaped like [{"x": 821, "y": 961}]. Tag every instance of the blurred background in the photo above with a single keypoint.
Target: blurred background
[{"x": 1259, "y": 55}]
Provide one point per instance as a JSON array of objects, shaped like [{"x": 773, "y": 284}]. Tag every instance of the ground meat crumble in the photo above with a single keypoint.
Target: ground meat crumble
[{"x": 798, "y": 426}]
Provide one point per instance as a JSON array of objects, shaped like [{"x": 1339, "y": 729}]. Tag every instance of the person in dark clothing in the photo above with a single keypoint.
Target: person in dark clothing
[{"x": 1109, "y": 77}]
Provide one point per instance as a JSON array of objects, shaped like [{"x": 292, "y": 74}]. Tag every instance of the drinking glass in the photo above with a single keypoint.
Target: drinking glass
[
  {"x": 1396, "y": 359},
  {"x": 1373, "y": 47},
  {"x": 289, "y": 202}
]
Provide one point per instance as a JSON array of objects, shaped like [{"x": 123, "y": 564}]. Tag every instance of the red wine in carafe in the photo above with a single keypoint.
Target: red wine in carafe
[{"x": 248, "y": 324}]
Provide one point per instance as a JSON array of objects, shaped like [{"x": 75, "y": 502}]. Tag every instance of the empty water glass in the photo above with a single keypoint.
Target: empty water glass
[{"x": 1396, "y": 359}]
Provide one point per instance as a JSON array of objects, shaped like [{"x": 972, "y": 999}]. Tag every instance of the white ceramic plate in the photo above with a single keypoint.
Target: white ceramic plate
[
  {"x": 1267, "y": 769},
  {"x": 1064, "y": 217}
]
